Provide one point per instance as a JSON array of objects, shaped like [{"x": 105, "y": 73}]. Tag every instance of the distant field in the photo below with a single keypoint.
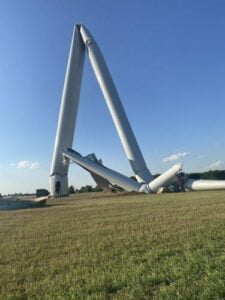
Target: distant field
[{"x": 98, "y": 246}]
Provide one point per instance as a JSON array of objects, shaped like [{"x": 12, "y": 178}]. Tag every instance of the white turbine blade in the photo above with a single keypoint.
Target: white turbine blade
[
  {"x": 203, "y": 184},
  {"x": 112, "y": 176},
  {"x": 165, "y": 179},
  {"x": 115, "y": 107}
]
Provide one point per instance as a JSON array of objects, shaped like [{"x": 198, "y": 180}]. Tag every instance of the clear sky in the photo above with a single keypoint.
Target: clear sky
[{"x": 167, "y": 59}]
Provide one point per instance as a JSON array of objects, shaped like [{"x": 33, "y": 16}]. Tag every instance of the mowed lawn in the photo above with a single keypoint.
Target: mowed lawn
[{"x": 102, "y": 246}]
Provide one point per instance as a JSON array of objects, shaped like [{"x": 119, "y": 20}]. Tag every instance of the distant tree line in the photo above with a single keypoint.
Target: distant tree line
[
  {"x": 21, "y": 194},
  {"x": 85, "y": 189},
  {"x": 216, "y": 174}
]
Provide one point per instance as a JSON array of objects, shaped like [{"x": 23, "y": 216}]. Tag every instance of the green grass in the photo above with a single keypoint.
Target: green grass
[{"x": 97, "y": 246}]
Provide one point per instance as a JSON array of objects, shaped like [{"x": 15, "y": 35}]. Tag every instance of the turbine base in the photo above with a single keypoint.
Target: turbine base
[{"x": 59, "y": 186}]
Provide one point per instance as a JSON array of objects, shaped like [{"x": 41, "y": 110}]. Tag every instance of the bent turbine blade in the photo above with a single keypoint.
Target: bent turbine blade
[{"x": 112, "y": 176}]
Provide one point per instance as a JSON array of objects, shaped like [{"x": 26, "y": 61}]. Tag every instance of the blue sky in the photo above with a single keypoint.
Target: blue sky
[{"x": 167, "y": 59}]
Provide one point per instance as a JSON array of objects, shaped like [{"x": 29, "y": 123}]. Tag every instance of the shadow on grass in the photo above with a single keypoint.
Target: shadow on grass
[{"x": 13, "y": 208}]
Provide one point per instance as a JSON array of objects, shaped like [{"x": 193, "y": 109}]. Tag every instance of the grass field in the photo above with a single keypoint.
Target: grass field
[{"x": 98, "y": 246}]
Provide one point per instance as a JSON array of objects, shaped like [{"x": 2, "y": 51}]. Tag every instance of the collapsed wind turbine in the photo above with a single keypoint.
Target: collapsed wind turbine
[{"x": 82, "y": 41}]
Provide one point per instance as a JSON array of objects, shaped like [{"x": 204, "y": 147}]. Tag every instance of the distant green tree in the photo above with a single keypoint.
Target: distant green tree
[
  {"x": 86, "y": 189},
  {"x": 194, "y": 175},
  {"x": 89, "y": 188},
  {"x": 212, "y": 174},
  {"x": 97, "y": 189},
  {"x": 82, "y": 189},
  {"x": 71, "y": 189}
]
